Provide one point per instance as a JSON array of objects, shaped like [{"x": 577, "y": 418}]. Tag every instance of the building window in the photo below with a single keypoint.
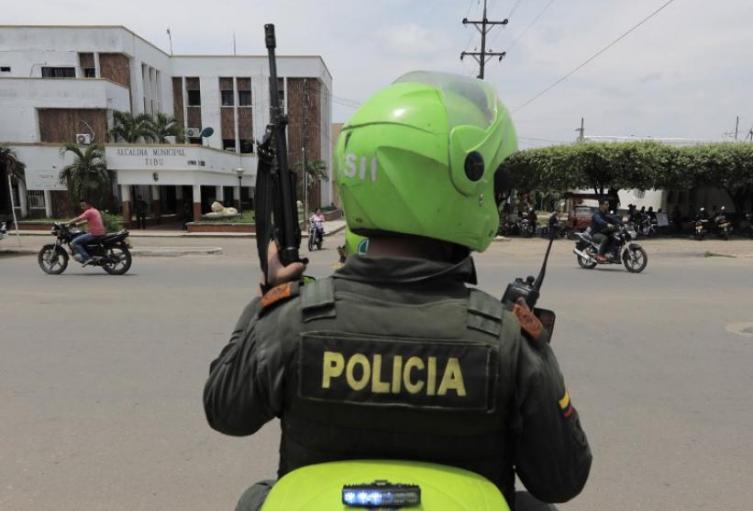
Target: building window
[
  {"x": 228, "y": 144},
  {"x": 90, "y": 72},
  {"x": 244, "y": 97},
  {"x": 194, "y": 98},
  {"x": 227, "y": 98},
  {"x": 35, "y": 199},
  {"x": 4, "y": 69},
  {"x": 58, "y": 72},
  {"x": 247, "y": 146}
]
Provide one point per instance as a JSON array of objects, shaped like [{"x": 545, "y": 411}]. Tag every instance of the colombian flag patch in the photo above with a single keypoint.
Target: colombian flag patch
[{"x": 565, "y": 405}]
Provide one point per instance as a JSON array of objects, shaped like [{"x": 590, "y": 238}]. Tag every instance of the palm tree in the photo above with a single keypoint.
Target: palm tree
[
  {"x": 10, "y": 163},
  {"x": 162, "y": 126},
  {"x": 129, "y": 128},
  {"x": 87, "y": 176},
  {"x": 14, "y": 169},
  {"x": 316, "y": 170}
]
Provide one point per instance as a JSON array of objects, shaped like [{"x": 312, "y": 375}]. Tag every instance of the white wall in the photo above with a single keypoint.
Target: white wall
[{"x": 20, "y": 97}]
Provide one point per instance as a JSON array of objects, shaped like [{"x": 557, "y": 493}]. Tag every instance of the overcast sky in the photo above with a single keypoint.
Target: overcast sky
[{"x": 685, "y": 73}]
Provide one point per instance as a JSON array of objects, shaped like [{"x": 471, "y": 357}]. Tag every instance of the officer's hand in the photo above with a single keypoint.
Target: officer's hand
[{"x": 277, "y": 273}]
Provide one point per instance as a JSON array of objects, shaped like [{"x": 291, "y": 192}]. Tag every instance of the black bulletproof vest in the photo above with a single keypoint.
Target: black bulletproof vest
[{"x": 375, "y": 379}]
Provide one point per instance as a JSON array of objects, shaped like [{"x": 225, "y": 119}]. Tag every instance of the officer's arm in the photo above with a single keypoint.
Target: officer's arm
[
  {"x": 598, "y": 220},
  {"x": 552, "y": 458},
  {"x": 234, "y": 400}
]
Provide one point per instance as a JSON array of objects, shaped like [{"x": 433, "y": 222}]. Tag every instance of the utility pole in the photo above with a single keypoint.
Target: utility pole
[
  {"x": 304, "y": 142},
  {"x": 581, "y": 131},
  {"x": 483, "y": 56},
  {"x": 737, "y": 125}
]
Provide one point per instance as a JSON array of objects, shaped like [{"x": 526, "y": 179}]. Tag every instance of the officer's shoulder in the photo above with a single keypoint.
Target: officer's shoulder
[{"x": 275, "y": 298}]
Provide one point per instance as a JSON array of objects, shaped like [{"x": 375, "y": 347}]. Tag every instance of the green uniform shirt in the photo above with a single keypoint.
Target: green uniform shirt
[{"x": 399, "y": 358}]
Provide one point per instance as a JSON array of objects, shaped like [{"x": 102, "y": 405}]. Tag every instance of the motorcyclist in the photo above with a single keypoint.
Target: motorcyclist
[
  {"x": 702, "y": 215},
  {"x": 602, "y": 225},
  {"x": 317, "y": 222},
  {"x": 302, "y": 352},
  {"x": 95, "y": 229}
]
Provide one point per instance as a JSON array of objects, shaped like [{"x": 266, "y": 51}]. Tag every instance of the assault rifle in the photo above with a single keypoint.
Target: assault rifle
[{"x": 275, "y": 197}]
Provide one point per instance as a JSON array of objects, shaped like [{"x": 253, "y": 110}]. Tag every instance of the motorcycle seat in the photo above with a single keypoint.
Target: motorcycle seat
[{"x": 112, "y": 237}]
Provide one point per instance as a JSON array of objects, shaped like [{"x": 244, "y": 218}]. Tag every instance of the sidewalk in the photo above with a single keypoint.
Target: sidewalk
[{"x": 330, "y": 228}]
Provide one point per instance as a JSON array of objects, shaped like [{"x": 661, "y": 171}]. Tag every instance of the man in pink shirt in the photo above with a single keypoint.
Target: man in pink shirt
[{"x": 93, "y": 218}]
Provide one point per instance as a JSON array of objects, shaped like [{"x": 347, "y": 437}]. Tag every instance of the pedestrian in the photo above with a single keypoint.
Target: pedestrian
[
  {"x": 407, "y": 301},
  {"x": 141, "y": 208}
]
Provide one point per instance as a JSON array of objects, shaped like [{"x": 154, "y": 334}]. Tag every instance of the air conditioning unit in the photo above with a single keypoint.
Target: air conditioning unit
[
  {"x": 193, "y": 132},
  {"x": 83, "y": 138}
]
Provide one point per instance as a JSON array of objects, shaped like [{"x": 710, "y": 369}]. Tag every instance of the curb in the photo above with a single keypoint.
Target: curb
[
  {"x": 140, "y": 252},
  {"x": 175, "y": 251}
]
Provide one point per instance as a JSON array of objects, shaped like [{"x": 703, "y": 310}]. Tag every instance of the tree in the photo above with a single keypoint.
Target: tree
[
  {"x": 162, "y": 126},
  {"x": 87, "y": 177},
  {"x": 129, "y": 128},
  {"x": 728, "y": 166},
  {"x": 10, "y": 163}
]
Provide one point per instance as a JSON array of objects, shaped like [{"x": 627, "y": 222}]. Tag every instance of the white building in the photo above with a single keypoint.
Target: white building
[{"x": 61, "y": 84}]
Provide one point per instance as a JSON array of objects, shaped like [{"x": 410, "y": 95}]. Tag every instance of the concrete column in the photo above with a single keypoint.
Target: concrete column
[
  {"x": 47, "y": 204},
  {"x": 218, "y": 195},
  {"x": 178, "y": 192},
  {"x": 97, "y": 72},
  {"x": 155, "y": 203},
  {"x": 236, "y": 193},
  {"x": 197, "y": 202},
  {"x": 22, "y": 198},
  {"x": 125, "y": 197}
]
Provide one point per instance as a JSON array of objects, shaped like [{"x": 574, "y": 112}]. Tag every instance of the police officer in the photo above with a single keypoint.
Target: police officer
[{"x": 395, "y": 356}]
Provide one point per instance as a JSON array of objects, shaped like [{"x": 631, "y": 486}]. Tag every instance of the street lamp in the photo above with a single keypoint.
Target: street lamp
[{"x": 239, "y": 171}]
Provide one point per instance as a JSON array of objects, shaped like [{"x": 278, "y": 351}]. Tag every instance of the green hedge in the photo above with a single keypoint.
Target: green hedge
[{"x": 607, "y": 167}]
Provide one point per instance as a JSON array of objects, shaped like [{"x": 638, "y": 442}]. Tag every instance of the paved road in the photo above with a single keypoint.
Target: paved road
[{"x": 101, "y": 379}]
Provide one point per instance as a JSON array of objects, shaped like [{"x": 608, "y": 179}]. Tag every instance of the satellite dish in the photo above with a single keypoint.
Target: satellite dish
[{"x": 207, "y": 132}]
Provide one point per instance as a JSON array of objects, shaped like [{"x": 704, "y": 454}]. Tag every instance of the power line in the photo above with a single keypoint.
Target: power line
[
  {"x": 594, "y": 56},
  {"x": 528, "y": 27},
  {"x": 514, "y": 8},
  {"x": 483, "y": 56}
]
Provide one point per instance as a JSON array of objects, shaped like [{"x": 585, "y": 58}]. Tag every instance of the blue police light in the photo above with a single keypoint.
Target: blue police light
[{"x": 381, "y": 494}]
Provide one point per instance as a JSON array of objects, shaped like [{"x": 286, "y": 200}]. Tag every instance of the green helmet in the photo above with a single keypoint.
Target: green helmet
[{"x": 421, "y": 157}]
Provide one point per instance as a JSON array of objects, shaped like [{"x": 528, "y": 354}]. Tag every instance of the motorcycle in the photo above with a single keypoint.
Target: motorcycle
[
  {"x": 700, "y": 228},
  {"x": 110, "y": 251},
  {"x": 3, "y": 230},
  {"x": 527, "y": 228},
  {"x": 723, "y": 227},
  {"x": 645, "y": 226},
  {"x": 316, "y": 236},
  {"x": 622, "y": 250},
  {"x": 383, "y": 484}
]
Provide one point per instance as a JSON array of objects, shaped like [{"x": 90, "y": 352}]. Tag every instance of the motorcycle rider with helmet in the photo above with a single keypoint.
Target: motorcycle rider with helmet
[
  {"x": 481, "y": 388},
  {"x": 602, "y": 225}
]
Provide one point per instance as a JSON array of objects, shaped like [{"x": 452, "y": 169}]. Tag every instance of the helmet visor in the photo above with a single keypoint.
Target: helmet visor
[{"x": 468, "y": 101}]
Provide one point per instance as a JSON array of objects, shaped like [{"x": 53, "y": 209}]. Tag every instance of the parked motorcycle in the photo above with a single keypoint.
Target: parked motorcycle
[
  {"x": 316, "y": 237},
  {"x": 723, "y": 226},
  {"x": 644, "y": 226},
  {"x": 3, "y": 230},
  {"x": 109, "y": 251},
  {"x": 700, "y": 228},
  {"x": 527, "y": 228},
  {"x": 622, "y": 250}
]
